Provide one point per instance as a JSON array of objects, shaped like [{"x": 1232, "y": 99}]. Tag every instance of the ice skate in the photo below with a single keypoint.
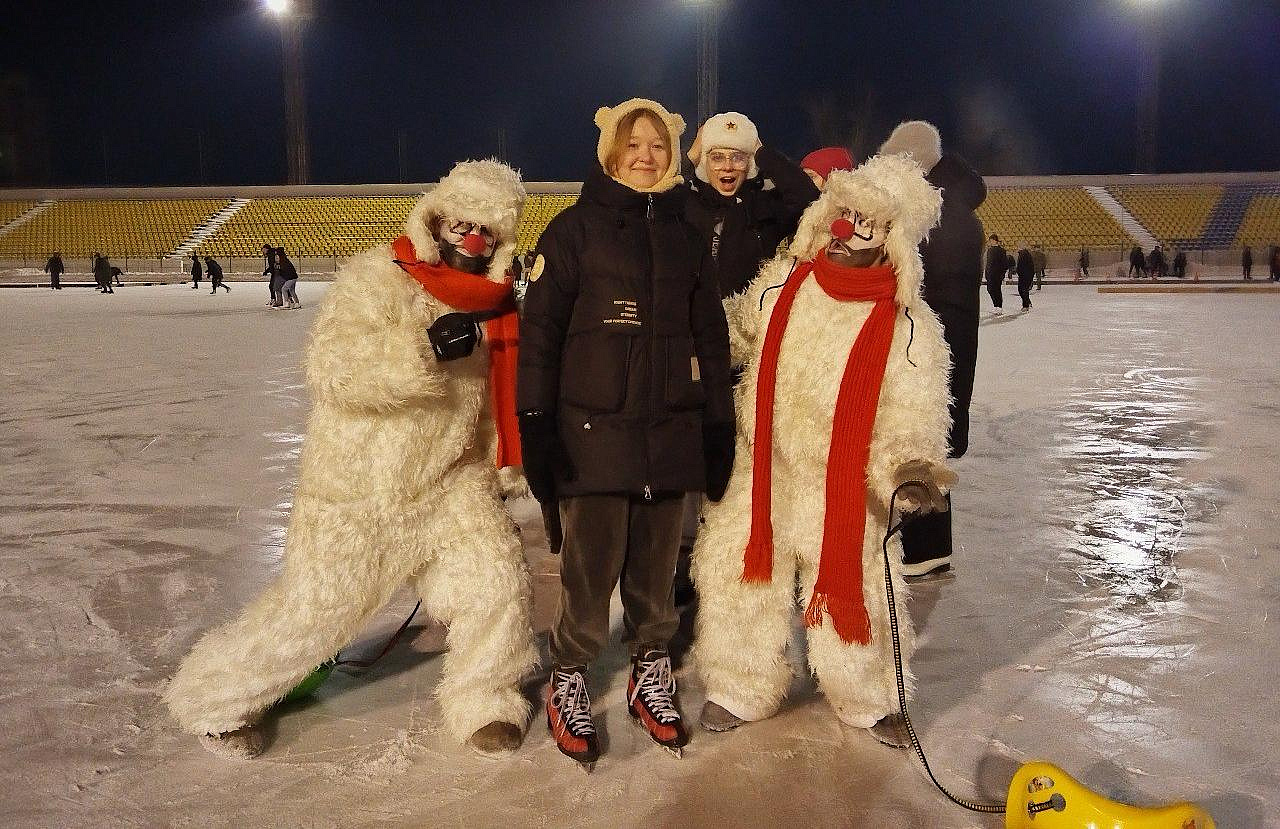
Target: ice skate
[
  {"x": 569, "y": 717},
  {"x": 496, "y": 738},
  {"x": 892, "y": 731},
  {"x": 242, "y": 744},
  {"x": 715, "y": 717},
  {"x": 651, "y": 701}
]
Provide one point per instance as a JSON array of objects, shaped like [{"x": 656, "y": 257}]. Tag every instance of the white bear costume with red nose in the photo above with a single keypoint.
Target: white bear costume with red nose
[
  {"x": 398, "y": 483},
  {"x": 747, "y": 597}
]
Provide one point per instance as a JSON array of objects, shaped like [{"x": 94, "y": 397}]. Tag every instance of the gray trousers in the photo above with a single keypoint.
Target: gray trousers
[{"x": 608, "y": 538}]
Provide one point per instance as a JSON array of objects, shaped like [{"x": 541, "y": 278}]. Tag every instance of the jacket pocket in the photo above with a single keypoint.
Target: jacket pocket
[
  {"x": 595, "y": 369},
  {"x": 684, "y": 388}
]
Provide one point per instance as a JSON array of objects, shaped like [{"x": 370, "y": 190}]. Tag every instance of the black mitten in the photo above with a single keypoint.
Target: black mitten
[
  {"x": 717, "y": 451},
  {"x": 543, "y": 453}
]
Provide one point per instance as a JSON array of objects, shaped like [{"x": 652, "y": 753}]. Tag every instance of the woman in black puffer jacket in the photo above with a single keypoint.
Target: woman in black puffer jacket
[{"x": 625, "y": 406}]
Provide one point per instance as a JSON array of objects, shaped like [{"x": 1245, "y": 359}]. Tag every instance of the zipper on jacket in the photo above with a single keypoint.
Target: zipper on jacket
[{"x": 653, "y": 285}]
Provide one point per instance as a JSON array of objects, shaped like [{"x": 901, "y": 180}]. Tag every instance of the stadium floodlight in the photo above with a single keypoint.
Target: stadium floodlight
[{"x": 278, "y": 7}]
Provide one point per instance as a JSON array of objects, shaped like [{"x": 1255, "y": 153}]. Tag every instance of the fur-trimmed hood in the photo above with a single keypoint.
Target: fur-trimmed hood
[
  {"x": 887, "y": 188},
  {"x": 487, "y": 192},
  {"x": 608, "y": 118}
]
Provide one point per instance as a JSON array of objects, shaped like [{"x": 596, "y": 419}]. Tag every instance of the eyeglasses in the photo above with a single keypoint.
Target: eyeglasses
[{"x": 736, "y": 160}]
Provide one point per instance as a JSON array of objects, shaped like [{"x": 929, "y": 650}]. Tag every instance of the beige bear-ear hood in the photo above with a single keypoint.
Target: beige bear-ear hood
[
  {"x": 487, "y": 192},
  {"x": 887, "y": 188},
  {"x": 608, "y": 118}
]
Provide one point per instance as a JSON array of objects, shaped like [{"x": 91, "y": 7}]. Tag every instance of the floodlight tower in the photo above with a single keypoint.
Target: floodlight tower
[
  {"x": 292, "y": 14},
  {"x": 1149, "y": 50},
  {"x": 708, "y": 56}
]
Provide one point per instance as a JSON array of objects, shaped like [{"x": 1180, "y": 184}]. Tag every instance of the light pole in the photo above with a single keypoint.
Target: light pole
[
  {"x": 708, "y": 57},
  {"x": 1151, "y": 33},
  {"x": 291, "y": 16}
]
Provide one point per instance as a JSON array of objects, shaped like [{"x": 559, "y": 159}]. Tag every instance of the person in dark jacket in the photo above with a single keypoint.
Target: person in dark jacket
[
  {"x": 1180, "y": 263},
  {"x": 1083, "y": 262},
  {"x": 742, "y": 222},
  {"x": 269, "y": 271},
  {"x": 1275, "y": 263},
  {"x": 740, "y": 219},
  {"x": 994, "y": 272},
  {"x": 102, "y": 273},
  {"x": 287, "y": 277},
  {"x": 215, "y": 274},
  {"x": 625, "y": 405},
  {"x": 1042, "y": 261},
  {"x": 196, "y": 271},
  {"x": 55, "y": 269},
  {"x": 1156, "y": 263},
  {"x": 1137, "y": 262},
  {"x": 1026, "y": 268},
  {"x": 952, "y": 257},
  {"x": 1246, "y": 262}
]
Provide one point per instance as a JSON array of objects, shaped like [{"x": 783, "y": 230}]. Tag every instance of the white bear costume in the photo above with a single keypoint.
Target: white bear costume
[
  {"x": 743, "y": 626},
  {"x": 397, "y": 482}
]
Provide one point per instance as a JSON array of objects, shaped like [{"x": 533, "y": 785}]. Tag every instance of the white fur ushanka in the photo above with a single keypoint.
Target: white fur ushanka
[{"x": 743, "y": 628}]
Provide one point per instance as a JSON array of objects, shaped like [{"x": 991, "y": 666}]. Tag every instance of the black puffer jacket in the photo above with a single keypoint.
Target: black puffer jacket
[
  {"x": 624, "y": 338},
  {"x": 755, "y": 220},
  {"x": 952, "y": 272}
]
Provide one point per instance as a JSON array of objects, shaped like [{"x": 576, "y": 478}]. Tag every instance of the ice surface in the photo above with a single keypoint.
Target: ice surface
[{"x": 1117, "y": 568}]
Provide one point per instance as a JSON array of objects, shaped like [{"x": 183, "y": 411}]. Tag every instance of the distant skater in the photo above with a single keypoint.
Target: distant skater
[
  {"x": 55, "y": 269},
  {"x": 195, "y": 272},
  {"x": 215, "y": 274}
]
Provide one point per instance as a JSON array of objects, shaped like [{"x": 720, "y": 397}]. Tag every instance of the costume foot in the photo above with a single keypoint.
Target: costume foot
[
  {"x": 242, "y": 744},
  {"x": 715, "y": 717},
  {"x": 892, "y": 731},
  {"x": 496, "y": 738}
]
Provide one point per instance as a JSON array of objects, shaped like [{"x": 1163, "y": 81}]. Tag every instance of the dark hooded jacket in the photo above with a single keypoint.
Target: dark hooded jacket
[
  {"x": 624, "y": 339},
  {"x": 952, "y": 272},
  {"x": 755, "y": 220}
]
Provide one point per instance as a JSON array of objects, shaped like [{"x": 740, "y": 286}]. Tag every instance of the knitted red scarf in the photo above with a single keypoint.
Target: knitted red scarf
[
  {"x": 473, "y": 292},
  {"x": 839, "y": 587}
]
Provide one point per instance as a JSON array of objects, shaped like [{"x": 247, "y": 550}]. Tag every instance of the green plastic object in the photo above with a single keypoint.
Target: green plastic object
[{"x": 308, "y": 686}]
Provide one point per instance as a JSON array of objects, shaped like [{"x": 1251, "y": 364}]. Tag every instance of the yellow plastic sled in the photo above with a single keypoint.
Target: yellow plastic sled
[{"x": 1043, "y": 796}]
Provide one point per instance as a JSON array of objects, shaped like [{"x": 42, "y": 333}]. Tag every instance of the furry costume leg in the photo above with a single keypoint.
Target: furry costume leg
[
  {"x": 858, "y": 680},
  {"x": 742, "y": 629},
  {"x": 477, "y": 584},
  {"x": 336, "y": 575}
]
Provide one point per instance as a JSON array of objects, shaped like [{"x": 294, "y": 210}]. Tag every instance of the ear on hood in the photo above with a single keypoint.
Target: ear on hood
[
  {"x": 887, "y": 188},
  {"x": 486, "y": 192},
  {"x": 918, "y": 139},
  {"x": 608, "y": 118}
]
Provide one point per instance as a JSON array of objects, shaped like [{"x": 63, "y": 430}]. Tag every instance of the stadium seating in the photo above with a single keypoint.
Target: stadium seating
[
  {"x": 116, "y": 227},
  {"x": 10, "y": 210},
  {"x": 1261, "y": 224},
  {"x": 1173, "y": 214},
  {"x": 539, "y": 210},
  {"x": 1055, "y": 217},
  {"x": 311, "y": 226}
]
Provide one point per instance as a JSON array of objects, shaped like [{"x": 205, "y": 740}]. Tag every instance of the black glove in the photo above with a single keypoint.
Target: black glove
[
  {"x": 543, "y": 453},
  {"x": 717, "y": 450}
]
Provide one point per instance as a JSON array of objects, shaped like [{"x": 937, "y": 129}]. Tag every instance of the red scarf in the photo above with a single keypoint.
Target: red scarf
[
  {"x": 839, "y": 587},
  {"x": 473, "y": 292}
]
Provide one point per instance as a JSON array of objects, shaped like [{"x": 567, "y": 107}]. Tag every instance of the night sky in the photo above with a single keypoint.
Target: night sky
[{"x": 1016, "y": 86}]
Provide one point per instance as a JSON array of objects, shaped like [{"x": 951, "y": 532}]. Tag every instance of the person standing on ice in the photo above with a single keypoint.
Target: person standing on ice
[
  {"x": 744, "y": 199},
  {"x": 844, "y": 401},
  {"x": 952, "y": 258},
  {"x": 195, "y": 271},
  {"x": 55, "y": 268},
  {"x": 625, "y": 406},
  {"x": 994, "y": 271},
  {"x": 1026, "y": 268},
  {"x": 412, "y": 417}
]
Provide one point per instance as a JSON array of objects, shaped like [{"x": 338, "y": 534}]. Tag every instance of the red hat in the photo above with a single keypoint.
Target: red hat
[{"x": 825, "y": 160}]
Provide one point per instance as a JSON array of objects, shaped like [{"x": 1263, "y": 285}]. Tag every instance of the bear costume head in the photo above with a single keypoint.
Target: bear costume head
[
  {"x": 891, "y": 208},
  {"x": 469, "y": 218}
]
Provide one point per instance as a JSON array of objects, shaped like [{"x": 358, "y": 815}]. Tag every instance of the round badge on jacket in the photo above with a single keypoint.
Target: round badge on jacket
[{"x": 536, "y": 271}]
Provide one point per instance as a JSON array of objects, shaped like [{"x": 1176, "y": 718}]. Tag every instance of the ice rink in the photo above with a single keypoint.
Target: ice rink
[{"x": 1117, "y": 565}]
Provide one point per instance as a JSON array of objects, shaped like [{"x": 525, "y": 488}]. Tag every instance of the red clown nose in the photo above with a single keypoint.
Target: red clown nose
[
  {"x": 842, "y": 229},
  {"x": 474, "y": 243}
]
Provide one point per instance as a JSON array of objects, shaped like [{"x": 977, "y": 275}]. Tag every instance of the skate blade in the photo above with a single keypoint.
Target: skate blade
[
  {"x": 674, "y": 751},
  {"x": 931, "y": 578},
  {"x": 587, "y": 767}
]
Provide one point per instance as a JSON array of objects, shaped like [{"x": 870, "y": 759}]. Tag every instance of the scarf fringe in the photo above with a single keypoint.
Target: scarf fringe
[{"x": 848, "y": 617}]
